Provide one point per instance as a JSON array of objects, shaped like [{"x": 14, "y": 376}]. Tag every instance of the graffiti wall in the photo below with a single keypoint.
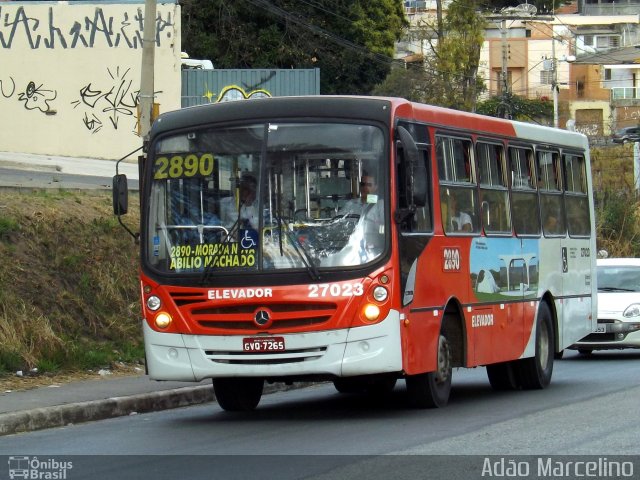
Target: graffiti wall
[{"x": 70, "y": 75}]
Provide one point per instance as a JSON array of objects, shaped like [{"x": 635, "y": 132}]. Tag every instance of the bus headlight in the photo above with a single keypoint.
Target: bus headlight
[
  {"x": 371, "y": 312},
  {"x": 380, "y": 294},
  {"x": 153, "y": 303},
  {"x": 163, "y": 320}
]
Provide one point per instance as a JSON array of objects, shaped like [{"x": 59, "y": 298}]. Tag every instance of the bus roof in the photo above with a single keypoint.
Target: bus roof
[{"x": 381, "y": 109}]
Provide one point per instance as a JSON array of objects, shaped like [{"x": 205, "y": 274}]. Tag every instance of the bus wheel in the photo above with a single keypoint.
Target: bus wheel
[
  {"x": 348, "y": 385},
  {"x": 381, "y": 384},
  {"x": 370, "y": 384},
  {"x": 535, "y": 373},
  {"x": 431, "y": 390},
  {"x": 502, "y": 376},
  {"x": 238, "y": 394}
]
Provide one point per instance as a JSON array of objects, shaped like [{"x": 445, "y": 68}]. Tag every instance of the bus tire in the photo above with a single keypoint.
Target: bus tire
[
  {"x": 382, "y": 384},
  {"x": 535, "y": 373},
  {"x": 347, "y": 385},
  {"x": 432, "y": 389},
  {"x": 379, "y": 384},
  {"x": 238, "y": 394},
  {"x": 502, "y": 376}
]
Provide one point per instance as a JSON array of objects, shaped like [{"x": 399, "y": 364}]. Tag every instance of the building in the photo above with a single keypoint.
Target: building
[
  {"x": 70, "y": 76},
  {"x": 589, "y": 51}
]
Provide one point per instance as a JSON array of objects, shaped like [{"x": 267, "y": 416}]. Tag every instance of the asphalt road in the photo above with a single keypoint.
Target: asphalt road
[{"x": 591, "y": 408}]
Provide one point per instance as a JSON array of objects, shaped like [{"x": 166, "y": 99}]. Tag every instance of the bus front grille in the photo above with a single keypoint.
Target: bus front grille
[
  {"x": 218, "y": 317},
  {"x": 271, "y": 358},
  {"x": 277, "y": 324}
]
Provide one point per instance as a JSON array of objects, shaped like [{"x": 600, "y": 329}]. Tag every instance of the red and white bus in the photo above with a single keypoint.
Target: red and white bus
[{"x": 383, "y": 240}]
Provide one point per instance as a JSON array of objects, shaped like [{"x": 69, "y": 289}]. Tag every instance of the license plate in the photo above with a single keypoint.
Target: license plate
[
  {"x": 601, "y": 328},
  {"x": 266, "y": 344}
]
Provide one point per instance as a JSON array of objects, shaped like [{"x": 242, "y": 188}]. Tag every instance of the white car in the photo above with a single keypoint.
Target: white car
[{"x": 618, "y": 307}]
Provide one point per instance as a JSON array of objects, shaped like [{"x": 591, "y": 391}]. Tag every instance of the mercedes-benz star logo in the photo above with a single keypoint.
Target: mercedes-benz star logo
[{"x": 262, "y": 318}]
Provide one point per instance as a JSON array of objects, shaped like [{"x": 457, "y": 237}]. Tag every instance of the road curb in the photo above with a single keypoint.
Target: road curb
[
  {"x": 81, "y": 412},
  {"x": 72, "y": 413}
]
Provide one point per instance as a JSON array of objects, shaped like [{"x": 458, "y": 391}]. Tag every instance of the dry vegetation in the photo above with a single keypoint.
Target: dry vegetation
[
  {"x": 616, "y": 200},
  {"x": 68, "y": 283}
]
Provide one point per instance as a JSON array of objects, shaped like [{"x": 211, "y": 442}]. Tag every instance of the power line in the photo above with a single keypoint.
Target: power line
[
  {"x": 286, "y": 16},
  {"x": 299, "y": 20}
]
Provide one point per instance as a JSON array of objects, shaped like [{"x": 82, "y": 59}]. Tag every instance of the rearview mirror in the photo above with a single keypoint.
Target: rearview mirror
[{"x": 120, "y": 194}]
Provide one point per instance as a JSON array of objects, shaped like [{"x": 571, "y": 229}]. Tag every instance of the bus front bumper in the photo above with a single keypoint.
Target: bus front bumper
[{"x": 355, "y": 351}]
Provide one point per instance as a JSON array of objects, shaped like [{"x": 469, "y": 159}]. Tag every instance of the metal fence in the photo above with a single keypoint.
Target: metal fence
[
  {"x": 625, "y": 93},
  {"x": 221, "y": 85}
]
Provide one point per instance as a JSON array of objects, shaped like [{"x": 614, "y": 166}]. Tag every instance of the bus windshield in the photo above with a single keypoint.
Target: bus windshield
[{"x": 267, "y": 196}]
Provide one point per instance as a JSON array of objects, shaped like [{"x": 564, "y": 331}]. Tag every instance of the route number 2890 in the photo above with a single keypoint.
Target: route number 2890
[{"x": 451, "y": 258}]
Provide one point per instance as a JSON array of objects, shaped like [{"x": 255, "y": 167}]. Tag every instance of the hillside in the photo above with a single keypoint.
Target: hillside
[{"x": 68, "y": 288}]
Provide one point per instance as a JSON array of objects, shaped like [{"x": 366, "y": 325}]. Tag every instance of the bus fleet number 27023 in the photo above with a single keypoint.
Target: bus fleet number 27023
[{"x": 336, "y": 290}]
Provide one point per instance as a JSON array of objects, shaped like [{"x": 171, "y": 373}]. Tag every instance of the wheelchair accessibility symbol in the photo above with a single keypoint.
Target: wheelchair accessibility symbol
[{"x": 249, "y": 239}]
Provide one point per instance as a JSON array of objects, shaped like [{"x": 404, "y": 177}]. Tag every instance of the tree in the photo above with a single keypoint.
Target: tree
[
  {"x": 448, "y": 75},
  {"x": 520, "y": 108},
  {"x": 457, "y": 55},
  {"x": 351, "y": 42},
  {"x": 402, "y": 82}
]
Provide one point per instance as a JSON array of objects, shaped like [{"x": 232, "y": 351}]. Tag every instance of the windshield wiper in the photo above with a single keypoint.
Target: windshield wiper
[{"x": 299, "y": 248}]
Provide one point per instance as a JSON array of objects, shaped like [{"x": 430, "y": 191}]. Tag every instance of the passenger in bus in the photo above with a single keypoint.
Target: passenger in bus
[
  {"x": 247, "y": 216},
  {"x": 552, "y": 225},
  {"x": 458, "y": 220},
  {"x": 368, "y": 196}
]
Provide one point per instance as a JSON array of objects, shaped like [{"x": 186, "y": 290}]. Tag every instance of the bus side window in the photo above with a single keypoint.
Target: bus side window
[
  {"x": 576, "y": 198},
  {"x": 550, "y": 190},
  {"x": 458, "y": 192},
  {"x": 456, "y": 205},
  {"x": 524, "y": 197},
  {"x": 494, "y": 195},
  {"x": 455, "y": 160}
]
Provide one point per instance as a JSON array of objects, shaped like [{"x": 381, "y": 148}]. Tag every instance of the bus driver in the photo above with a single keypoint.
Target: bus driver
[{"x": 247, "y": 216}]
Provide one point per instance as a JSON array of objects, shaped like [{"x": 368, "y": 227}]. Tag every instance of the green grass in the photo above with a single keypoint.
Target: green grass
[
  {"x": 8, "y": 226},
  {"x": 69, "y": 294},
  {"x": 46, "y": 365},
  {"x": 10, "y": 361}
]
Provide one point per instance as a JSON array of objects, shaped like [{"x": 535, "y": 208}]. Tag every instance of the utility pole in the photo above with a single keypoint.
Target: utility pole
[
  {"x": 554, "y": 80},
  {"x": 439, "y": 19},
  {"x": 523, "y": 12},
  {"x": 504, "y": 70},
  {"x": 636, "y": 167},
  {"x": 554, "y": 72},
  {"x": 148, "y": 66}
]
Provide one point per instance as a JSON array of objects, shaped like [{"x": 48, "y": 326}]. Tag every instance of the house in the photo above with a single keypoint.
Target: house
[
  {"x": 588, "y": 57},
  {"x": 588, "y": 50}
]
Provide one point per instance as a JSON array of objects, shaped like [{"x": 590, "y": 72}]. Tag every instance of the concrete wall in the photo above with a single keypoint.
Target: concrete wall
[{"x": 70, "y": 75}]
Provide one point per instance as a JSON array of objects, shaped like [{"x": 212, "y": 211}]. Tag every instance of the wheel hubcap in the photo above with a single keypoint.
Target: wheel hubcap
[
  {"x": 444, "y": 360},
  {"x": 544, "y": 346}
]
